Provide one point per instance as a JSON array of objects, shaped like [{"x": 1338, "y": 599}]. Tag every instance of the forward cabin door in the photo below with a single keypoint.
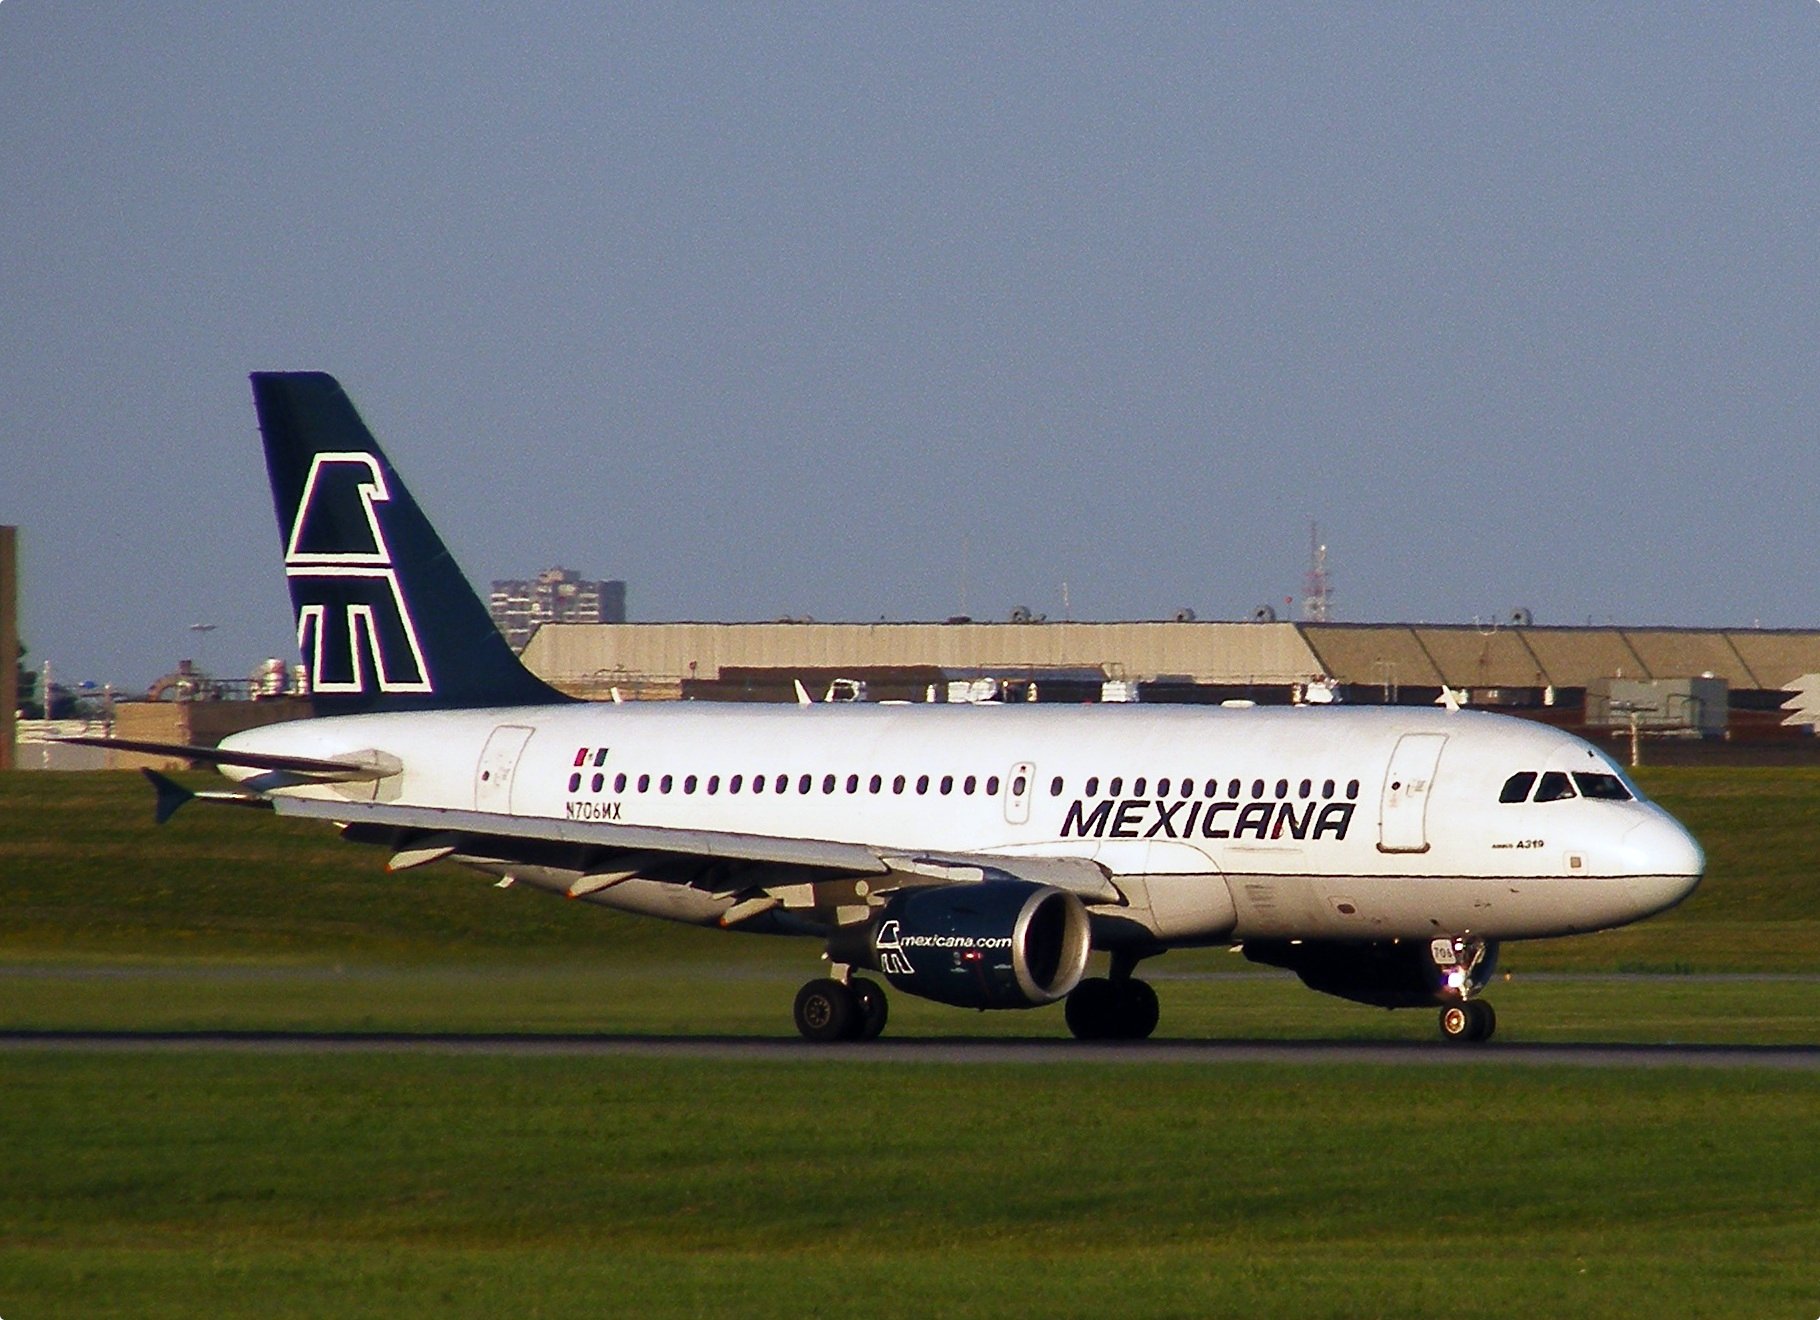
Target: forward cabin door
[
  {"x": 1403, "y": 817},
  {"x": 498, "y": 759}
]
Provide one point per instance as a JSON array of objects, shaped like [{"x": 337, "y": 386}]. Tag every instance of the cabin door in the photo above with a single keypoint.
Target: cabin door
[
  {"x": 498, "y": 760},
  {"x": 1403, "y": 817}
]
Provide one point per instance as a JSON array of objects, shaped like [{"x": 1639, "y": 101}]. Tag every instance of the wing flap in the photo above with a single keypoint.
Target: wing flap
[{"x": 820, "y": 854}]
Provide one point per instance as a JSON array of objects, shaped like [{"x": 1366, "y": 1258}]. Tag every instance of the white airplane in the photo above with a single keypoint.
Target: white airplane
[{"x": 973, "y": 855}]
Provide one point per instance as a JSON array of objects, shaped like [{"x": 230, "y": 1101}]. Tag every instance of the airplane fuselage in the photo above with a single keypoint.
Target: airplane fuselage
[{"x": 1213, "y": 824}]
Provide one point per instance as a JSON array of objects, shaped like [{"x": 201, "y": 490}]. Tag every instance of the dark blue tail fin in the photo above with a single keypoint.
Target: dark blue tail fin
[{"x": 385, "y": 619}]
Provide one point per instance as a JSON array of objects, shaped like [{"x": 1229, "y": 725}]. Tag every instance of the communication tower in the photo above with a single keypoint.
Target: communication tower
[{"x": 1317, "y": 587}]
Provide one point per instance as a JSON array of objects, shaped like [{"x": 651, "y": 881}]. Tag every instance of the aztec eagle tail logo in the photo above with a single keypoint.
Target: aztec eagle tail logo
[
  {"x": 385, "y": 621},
  {"x": 353, "y": 625}
]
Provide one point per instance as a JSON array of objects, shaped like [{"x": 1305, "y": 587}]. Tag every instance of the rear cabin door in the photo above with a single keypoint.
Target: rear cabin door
[
  {"x": 1403, "y": 817},
  {"x": 498, "y": 760}
]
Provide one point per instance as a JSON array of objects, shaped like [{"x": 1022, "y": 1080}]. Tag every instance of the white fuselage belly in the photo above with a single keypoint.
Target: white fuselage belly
[{"x": 1268, "y": 822}]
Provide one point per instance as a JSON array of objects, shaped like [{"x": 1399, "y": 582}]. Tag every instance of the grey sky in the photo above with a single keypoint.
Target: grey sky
[{"x": 863, "y": 311}]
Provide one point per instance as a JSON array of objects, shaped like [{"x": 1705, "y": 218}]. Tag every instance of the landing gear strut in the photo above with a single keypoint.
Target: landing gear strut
[
  {"x": 828, "y": 1010},
  {"x": 1471, "y": 1021},
  {"x": 1119, "y": 1007}
]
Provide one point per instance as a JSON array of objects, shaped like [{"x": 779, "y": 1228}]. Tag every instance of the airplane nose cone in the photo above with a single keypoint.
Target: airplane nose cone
[{"x": 1666, "y": 863}]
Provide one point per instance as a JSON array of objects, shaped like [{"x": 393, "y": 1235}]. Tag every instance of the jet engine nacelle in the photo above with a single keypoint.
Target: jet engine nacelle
[
  {"x": 992, "y": 944},
  {"x": 1387, "y": 974}
]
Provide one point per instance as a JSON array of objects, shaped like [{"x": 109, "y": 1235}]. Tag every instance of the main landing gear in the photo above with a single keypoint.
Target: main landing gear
[
  {"x": 829, "y": 1010},
  {"x": 1118, "y": 1007},
  {"x": 1469, "y": 1022}
]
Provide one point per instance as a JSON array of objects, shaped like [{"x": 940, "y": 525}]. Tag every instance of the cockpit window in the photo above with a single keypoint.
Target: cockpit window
[
  {"x": 1555, "y": 786},
  {"x": 1608, "y": 788},
  {"x": 1516, "y": 788}
]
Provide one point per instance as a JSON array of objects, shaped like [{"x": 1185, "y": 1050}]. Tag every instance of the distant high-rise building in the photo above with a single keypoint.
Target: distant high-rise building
[{"x": 556, "y": 595}]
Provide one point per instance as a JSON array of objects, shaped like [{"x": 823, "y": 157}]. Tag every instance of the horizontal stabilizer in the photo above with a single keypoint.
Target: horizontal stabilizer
[
  {"x": 173, "y": 797},
  {"x": 376, "y": 765}
]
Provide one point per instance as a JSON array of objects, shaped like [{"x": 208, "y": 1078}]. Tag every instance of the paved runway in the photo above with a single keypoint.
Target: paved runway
[{"x": 945, "y": 1050}]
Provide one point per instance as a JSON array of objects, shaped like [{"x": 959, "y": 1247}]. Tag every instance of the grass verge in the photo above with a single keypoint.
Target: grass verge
[{"x": 275, "y": 1186}]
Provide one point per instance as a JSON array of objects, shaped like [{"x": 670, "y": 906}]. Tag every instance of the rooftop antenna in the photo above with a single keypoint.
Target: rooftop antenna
[{"x": 1317, "y": 587}]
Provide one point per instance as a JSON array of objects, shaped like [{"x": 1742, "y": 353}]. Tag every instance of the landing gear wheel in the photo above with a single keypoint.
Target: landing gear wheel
[
  {"x": 826, "y": 1010},
  {"x": 1486, "y": 1020},
  {"x": 1091, "y": 1009},
  {"x": 871, "y": 1010},
  {"x": 1136, "y": 1010},
  {"x": 1470, "y": 1022}
]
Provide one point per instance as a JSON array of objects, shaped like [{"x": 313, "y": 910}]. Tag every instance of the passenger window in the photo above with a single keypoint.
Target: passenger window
[
  {"x": 595, "y": 786},
  {"x": 805, "y": 783},
  {"x": 947, "y": 785},
  {"x": 1352, "y": 788},
  {"x": 664, "y": 784},
  {"x": 619, "y": 782},
  {"x": 783, "y": 784},
  {"x": 1018, "y": 786},
  {"x": 876, "y": 784},
  {"x": 689, "y": 784},
  {"x": 992, "y": 786},
  {"x": 758, "y": 783},
  {"x": 1516, "y": 788},
  {"x": 1554, "y": 787},
  {"x": 1137, "y": 786},
  {"x": 897, "y": 784},
  {"x": 1606, "y": 788},
  {"x": 1257, "y": 788},
  {"x": 734, "y": 783},
  {"x": 575, "y": 782},
  {"x": 1187, "y": 788},
  {"x": 1116, "y": 786},
  {"x": 827, "y": 783},
  {"x": 644, "y": 783},
  {"x": 1304, "y": 788},
  {"x": 1093, "y": 786},
  {"x": 969, "y": 784},
  {"x": 922, "y": 785},
  {"x": 1327, "y": 788},
  {"x": 1162, "y": 788},
  {"x": 1055, "y": 787},
  {"x": 1282, "y": 788},
  {"x": 713, "y": 784},
  {"x": 853, "y": 783}
]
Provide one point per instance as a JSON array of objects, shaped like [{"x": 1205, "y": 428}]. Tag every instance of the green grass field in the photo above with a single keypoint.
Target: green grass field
[{"x": 181, "y": 1184}]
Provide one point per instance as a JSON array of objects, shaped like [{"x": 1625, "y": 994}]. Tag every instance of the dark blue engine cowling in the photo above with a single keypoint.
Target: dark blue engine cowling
[{"x": 993, "y": 944}]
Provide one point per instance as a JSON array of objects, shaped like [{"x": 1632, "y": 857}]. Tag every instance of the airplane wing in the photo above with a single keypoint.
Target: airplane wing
[{"x": 764, "y": 871}]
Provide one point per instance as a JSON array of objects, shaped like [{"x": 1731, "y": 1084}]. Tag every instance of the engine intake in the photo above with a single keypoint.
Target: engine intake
[{"x": 994, "y": 944}]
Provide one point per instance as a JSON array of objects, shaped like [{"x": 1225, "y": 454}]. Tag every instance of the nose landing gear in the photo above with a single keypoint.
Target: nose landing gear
[
  {"x": 1464, "y": 964},
  {"x": 1470, "y": 1022}
]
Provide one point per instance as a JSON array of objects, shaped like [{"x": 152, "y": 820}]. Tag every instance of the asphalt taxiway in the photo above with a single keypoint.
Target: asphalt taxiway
[{"x": 946, "y": 1050}]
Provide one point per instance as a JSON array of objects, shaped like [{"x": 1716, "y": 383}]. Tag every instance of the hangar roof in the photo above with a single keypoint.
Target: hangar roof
[{"x": 1404, "y": 655}]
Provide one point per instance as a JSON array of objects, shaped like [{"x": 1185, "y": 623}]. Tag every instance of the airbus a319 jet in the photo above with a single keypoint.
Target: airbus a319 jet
[{"x": 974, "y": 855}]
